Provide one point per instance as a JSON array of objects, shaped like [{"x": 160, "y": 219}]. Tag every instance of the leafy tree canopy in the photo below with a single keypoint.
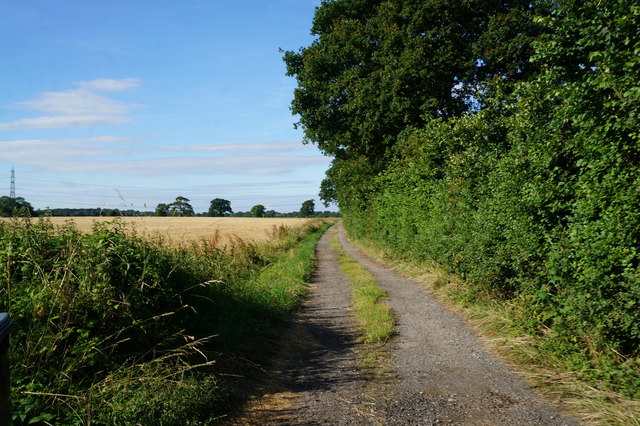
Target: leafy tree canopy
[
  {"x": 220, "y": 207},
  {"x": 14, "y": 207},
  {"x": 162, "y": 209},
  {"x": 258, "y": 210},
  {"x": 307, "y": 209},
  {"x": 180, "y": 207},
  {"x": 380, "y": 67}
]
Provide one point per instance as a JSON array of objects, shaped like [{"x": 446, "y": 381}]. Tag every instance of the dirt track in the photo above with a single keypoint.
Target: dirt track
[{"x": 440, "y": 373}]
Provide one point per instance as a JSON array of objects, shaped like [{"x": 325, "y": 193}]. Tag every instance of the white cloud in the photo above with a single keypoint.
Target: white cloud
[
  {"x": 110, "y": 85},
  {"x": 258, "y": 171},
  {"x": 174, "y": 166},
  {"x": 42, "y": 151},
  {"x": 59, "y": 122},
  {"x": 258, "y": 147},
  {"x": 76, "y": 102},
  {"x": 77, "y": 107}
]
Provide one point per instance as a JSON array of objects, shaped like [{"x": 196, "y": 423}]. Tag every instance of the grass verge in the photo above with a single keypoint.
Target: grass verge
[
  {"x": 374, "y": 317},
  {"x": 537, "y": 357},
  {"x": 112, "y": 328}
]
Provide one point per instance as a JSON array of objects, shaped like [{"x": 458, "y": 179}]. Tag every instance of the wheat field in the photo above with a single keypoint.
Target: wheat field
[{"x": 184, "y": 230}]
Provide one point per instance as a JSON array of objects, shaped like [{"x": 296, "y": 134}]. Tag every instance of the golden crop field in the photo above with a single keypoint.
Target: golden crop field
[{"x": 182, "y": 230}]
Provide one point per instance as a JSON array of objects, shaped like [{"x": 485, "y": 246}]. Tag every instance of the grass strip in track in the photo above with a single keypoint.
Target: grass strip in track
[
  {"x": 285, "y": 281},
  {"x": 374, "y": 317},
  {"x": 376, "y": 324}
]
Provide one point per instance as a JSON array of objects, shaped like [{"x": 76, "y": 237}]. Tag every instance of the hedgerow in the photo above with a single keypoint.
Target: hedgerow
[{"x": 535, "y": 196}]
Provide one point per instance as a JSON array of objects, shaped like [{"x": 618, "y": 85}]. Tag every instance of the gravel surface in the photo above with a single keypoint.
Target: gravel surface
[{"x": 441, "y": 373}]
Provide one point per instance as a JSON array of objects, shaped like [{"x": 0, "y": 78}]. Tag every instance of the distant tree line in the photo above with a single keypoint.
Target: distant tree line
[
  {"x": 90, "y": 212},
  {"x": 10, "y": 207},
  {"x": 219, "y": 207}
]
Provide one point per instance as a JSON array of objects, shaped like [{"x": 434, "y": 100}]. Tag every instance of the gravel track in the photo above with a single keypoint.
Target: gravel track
[
  {"x": 441, "y": 373},
  {"x": 329, "y": 387}
]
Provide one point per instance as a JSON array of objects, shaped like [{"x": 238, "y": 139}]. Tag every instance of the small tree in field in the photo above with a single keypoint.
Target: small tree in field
[
  {"x": 180, "y": 207},
  {"x": 220, "y": 207},
  {"x": 258, "y": 210},
  {"x": 162, "y": 209},
  {"x": 307, "y": 209}
]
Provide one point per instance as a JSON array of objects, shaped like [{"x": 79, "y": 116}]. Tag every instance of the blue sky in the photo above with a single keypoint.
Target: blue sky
[{"x": 127, "y": 104}]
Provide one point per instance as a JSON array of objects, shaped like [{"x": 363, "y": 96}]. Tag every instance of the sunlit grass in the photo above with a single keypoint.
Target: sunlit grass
[{"x": 374, "y": 317}]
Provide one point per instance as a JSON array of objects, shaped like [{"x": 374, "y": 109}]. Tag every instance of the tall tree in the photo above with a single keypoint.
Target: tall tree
[
  {"x": 180, "y": 207},
  {"x": 220, "y": 207},
  {"x": 307, "y": 209},
  {"x": 162, "y": 209},
  {"x": 258, "y": 210},
  {"x": 379, "y": 67}
]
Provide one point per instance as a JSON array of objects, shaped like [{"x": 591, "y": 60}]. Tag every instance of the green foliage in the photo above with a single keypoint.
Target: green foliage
[
  {"x": 110, "y": 325},
  {"x": 181, "y": 207},
  {"x": 162, "y": 209},
  {"x": 532, "y": 194},
  {"x": 18, "y": 206},
  {"x": 152, "y": 399},
  {"x": 307, "y": 209},
  {"x": 378, "y": 67},
  {"x": 258, "y": 210},
  {"x": 220, "y": 207}
]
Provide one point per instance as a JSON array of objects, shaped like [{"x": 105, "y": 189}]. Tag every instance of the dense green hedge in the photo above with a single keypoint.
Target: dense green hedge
[
  {"x": 498, "y": 139},
  {"x": 536, "y": 196}
]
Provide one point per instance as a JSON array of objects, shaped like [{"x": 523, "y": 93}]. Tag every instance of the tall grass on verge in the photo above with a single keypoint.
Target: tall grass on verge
[
  {"x": 375, "y": 318},
  {"x": 112, "y": 328}
]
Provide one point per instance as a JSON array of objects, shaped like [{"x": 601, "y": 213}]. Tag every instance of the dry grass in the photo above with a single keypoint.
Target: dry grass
[{"x": 184, "y": 230}]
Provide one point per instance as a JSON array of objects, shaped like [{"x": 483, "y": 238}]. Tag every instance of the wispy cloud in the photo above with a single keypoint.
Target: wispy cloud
[
  {"x": 125, "y": 156},
  {"x": 80, "y": 107},
  {"x": 44, "y": 152},
  {"x": 76, "y": 102},
  {"x": 110, "y": 85},
  {"x": 211, "y": 166},
  {"x": 250, "y": 148},
  {"x": 63, "y": 121}
]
